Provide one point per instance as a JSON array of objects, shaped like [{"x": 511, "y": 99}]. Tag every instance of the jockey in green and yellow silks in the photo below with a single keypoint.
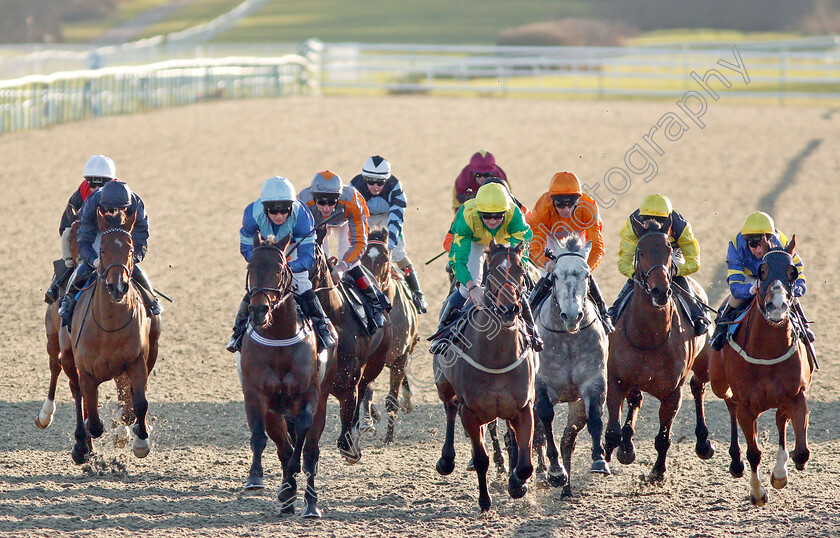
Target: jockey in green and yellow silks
[{"x": 491, "y": 215}]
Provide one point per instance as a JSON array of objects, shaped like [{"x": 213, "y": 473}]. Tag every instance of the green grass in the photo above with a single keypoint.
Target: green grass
[
  {"x": 197, "y": 12},
  {"x": 683, "y": 35},
  {"x": 85, "y": 31},
  {"x": 386, "y": 21}
]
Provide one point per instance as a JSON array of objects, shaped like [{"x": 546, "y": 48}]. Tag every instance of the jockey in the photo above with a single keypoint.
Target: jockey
[
  {"x": 386, "y": 202},
  {"x": 327, "y": 196},
  {"x": 112, "y": 197},
  {"x": 278, "y": 212},
  {"x": 743, "y": 259},
  {"x": 558, "y": 212},
  {"x": 482, "y": 166},
  {"x": 97, "y": 171},
  {"x": 490, "y": 215},
  {"x": 686, "y": 254}
]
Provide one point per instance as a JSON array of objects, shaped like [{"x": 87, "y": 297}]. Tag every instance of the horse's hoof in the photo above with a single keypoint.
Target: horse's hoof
[
  {"x": 626, "y": 457},
  {"x": 484, "y": 504},
  {"x": 368, "y": 428},
  {"x": 517, "y": 491},
  {"x": 351, "y": 456},
  {"x": 800, "y": 466},
  {"x": 600, "y": 467},
  {"x": 375, "y": 415},
  {"x": 121, "y": 436},
  {"x": 311, "y": 511},
  {"x": 778, "y": 483},
  {"x": 567, "y": 492},
  {"x": 254, "y": 482},
  {"x": 656, "y": 477},
  {"x": 736, "y": 469},
  {"x": 79, "y": 456},
  {"x": 287, "y": 507},
  {"x": 141, "y": 448},
  {"x": 558, "y": 480},
  {"x": 445, "y": 467},
  {"x": 759, "y": 502},
  {"x": 705, "y": 451},
  {"x": 406, "y": 405},
  {"x": 389, "y": 440},
  {"x": 470, "y": 465},
  {"x": 42, "y": 420},
  {"x": 541, "y": 481}
]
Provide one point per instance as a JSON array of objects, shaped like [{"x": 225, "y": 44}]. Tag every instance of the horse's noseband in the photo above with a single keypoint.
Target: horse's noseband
[
  {"x": 642, "y": 278},
  {"x": 283, "y": 289},
  {"x": 506, "y": 290}
]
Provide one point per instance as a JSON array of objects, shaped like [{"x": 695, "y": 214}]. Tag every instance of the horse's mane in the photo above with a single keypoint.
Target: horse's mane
[
  {"x": 380, "y": 234},
  {"x": 114, "y": 220},
  {"x": 571, "y": 243}
]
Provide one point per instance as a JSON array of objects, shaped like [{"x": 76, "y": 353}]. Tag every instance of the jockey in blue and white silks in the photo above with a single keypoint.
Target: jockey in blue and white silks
[
  {"x": 385, "y": 200},
  {"x": 278, "y": 213}
]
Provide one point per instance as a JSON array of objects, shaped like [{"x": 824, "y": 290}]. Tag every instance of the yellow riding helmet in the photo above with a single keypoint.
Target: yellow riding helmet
[
  {"x": 492, "y": 198},
  {"x": 655, "y": 205},
  {"x": 758, "y": 223},
  {"x": 564, "y": 183}
]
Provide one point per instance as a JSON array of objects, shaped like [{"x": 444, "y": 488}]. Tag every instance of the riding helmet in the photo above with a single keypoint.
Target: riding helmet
[
  {"x": 100, "y": 166},
  {"x": 758, "y": 223},
  {"x": 655, "y": 205},
  {"x": 492, "y": 198},
  {"x": 115, "y": 194},
  {"x": 376, "y": 168}
]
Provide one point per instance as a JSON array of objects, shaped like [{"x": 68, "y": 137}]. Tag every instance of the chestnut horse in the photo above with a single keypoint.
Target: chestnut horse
[
  {"x": 765, "y": 366},
  {"x": 52, "y": 324},
  {"x": 357, "y": 353},
  {"x": 653, "y": 350},
  {"x": 111, "y": 335},
  {"x": 280, "y": 376},
  {"x": 404, "y": 331},
  {"x": 489, "y": 373}
]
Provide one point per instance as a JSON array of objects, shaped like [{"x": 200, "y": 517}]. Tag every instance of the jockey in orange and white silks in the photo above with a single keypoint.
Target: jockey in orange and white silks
[
  {"x": 278, "y": 213},
  {"x": 346, "y": 212},
  {"x": 562, "y": 210},
  {"x": 386, "y": 202},
  {"x": 657, "y": 207},
  {"x": 743, "y": 257},
  {"x": 98, "y": 169}
]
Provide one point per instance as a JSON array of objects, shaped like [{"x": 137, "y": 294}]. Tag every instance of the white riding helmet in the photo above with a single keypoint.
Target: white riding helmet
[
  {"x": 100, "y": 166},
  {"x": 277, "y": 189},
  {"x": 326, "y": 182},
  {"x": 376, "y": 168}
]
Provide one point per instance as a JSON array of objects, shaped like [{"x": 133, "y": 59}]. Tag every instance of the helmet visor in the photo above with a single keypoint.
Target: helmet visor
[{"x": 281, "y": 207}]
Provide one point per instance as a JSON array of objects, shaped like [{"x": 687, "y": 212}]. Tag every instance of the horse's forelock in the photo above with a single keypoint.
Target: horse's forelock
[
  {"x": 571, "y": 243},
  {"x": 380, "y": 234}
]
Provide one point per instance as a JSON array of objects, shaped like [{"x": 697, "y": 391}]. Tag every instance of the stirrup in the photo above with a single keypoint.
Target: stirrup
[
  {"x": 420, "y": 302},
  {"x": 155, "y": 309}
]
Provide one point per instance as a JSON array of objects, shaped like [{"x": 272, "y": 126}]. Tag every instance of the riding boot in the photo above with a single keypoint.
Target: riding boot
[
  {"x": 598, "y": 299},
  {"x": 625, "y": 291},
  {"x": 448, "y": 314},
  {"x": 696, "y": 312},
  {"x": 797, "y": 308},
  {"x": 74, "y": 285},
  {"x": 239, "y": 325},
  {"x": 312, "y": 308},
  {"x": 51, "y": 295},
  {"x": 369, "y": 291},
  {"x": 724, "y": 318},
  {"x": 528, "y": 318},
  {"x": 541, "y": 290},
  {"x": 147, "y": 291},
  {"x": 417, "y": 298}
]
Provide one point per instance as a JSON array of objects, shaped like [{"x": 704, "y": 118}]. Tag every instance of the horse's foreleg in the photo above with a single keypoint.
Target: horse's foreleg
[
  {"x": 81, "y": 450},
  {"x": 255, "y": 406},
  {"x": 367, "y": 421},
  {"x": 627, "y": 451},
  {"x": 311, "y": 455},
  {"x": 137, "y": 373},
  {"x": 90, "y": 396},
  {"x": 523, "y": 431},
  {"x": 667, "y": 411},
  {"x": 799, "y": 417},
  {"x": 557, "y": 475},
  {"x": 703, "y": 447},
  {"x": 574, "y": 423},
  {"x": 736, "y": 465},
  {"x": 592, "y": 399},
  {"x": 498, "y": 456},
  {"x": 481, "y": 461},
  {"x": 446, "y": 463},
  {"x": 779, "y": 476},
  {"x": 392, "y": 404},
  {"x": 758, "y": 495},
  {"x": 405, "y": 399}
]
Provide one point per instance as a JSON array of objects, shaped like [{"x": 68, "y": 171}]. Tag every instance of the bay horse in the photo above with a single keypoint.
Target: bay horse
[
  {"x": 653, "y": 350},
  {"x": 404, "y": 326},
  {"x": 765, "y": 366},
  {"x": 111, "y": 334},
  {"x": 356, "y": 353},
  {"x": 489, "y": 373},
  {"x": 573, "y": 363},
  {"x": 279, "y": 371}
]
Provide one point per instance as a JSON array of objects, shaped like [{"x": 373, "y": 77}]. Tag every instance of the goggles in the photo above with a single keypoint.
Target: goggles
[
  {"x": 755, "y": 240},
  {"x": 326, "y": 201},
  {"x": 565, "y": 200},
  {"x": 492, "y": 216},
  {"x": 374, "y": 181}
]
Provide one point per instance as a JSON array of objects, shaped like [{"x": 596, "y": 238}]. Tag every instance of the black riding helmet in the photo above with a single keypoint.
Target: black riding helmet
[{"x": 114, "y": 195}]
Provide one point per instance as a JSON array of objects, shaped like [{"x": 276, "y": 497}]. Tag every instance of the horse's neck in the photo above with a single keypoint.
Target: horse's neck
[
  {"x": 106, "y": 308},
  {"x": 285, "y": 321},
  {"x": 494, "y": 339},
  {"x": 648, "y": 323},
  {"x": 768, "y": 337}
]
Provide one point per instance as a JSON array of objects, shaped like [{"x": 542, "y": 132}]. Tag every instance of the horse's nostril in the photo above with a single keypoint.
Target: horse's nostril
[
  {"x": 579, "y": 316},
  {"x": 563, "y": 316}
]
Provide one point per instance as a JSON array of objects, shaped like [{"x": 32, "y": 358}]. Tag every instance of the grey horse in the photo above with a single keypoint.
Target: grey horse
[{"x": 572, "y": 364}]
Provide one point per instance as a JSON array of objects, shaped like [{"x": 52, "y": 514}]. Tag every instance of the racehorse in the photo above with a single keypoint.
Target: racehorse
[
  {"x": 404, "y": 330},
  {"x": 652, "y": 350},
  {"x": 111, "y": 334},
  {"x": 52, "y": 324},
  {"x": 355, "y": 352},
  {"x": 279, "y": 371},
  {"x": 573, "y": 363},
  {"x": 493, "y": 377},
  {"x": 765, "y": 366}
]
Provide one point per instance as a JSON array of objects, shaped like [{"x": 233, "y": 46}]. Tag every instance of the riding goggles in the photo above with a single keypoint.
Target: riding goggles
[
  {"x": 564, "y": 200},
  {"x": 94, "y": 182},
  {"x": 374, "y": 181},
  {"x": 326, "y": 201},
  {"x": 755, "y": 240},
  {"x": 492, "y": 216},
  {"x": 275, "y": 208},
  {"x": 484, "y": 175}
]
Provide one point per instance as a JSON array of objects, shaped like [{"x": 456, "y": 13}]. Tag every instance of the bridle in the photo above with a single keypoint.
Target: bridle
[
  {"x": 387, "y": 280},
  {"x": 641, "y": 278},
  {"x": 103, "y": 273},
  {"x": 764, "y": 284},
  {"x": 283, "y": 289},
  {"x": 508, "y": 287}
]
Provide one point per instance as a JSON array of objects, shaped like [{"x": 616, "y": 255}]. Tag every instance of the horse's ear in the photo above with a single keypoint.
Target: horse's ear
[
  {"x": 100, "y": 218},
  {"x": 587, "y": 248},
  {"x": 258, "y": 239},
  {"x": 791, "y": 245},
  {"x": 518, "y": 248},
  {"x": 763, "y": 270},
  {"x": 283, "y": 242},
  {"x": 130, "y": 221},
  {"x": 493, "y": 246}
]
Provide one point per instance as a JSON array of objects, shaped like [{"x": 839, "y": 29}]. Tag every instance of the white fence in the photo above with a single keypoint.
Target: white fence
[{"x": 41, "y": 100}]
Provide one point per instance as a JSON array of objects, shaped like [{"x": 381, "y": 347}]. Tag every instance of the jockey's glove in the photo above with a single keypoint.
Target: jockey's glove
[
  {"x": 477, "y": 295},
  {"x": 799, "y": 289}
]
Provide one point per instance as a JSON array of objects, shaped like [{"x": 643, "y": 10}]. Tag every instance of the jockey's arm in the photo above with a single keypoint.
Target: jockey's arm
[
  {"x": 303, "y": 232},
  {"x": 74, "y": 204},
  {"x": 456, "y": 202},
  {"x": 519, "y": 231},
  {"x": 459, "y": 253},
  {"x": 246, "y": 233},
  {"x": 800, "y": 266},
  {"x": 396, "y": 215},
  {"x": 627, "y": 250},
  {"x": 736, "y": 272},
  {"x": 140, "y": 233},
  {"x": 690, "y": 250},
  {"x": 88, "y": 229},
  {"x": 357, "y": 223}
]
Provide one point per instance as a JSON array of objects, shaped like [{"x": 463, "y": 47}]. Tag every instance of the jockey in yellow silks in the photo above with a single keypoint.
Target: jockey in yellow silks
[
  {"x": 492, "y": 214},
  {"x": 657, "y": 207}
]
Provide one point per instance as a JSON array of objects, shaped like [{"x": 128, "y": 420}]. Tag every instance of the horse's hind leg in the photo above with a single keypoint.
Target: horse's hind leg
[
  {"x": 137, "y": 373},
  {"x": 799, "y": 417},
  {"x": 125, "y": 397},
  {"x": 498, "y": 455},
  {"x": 667, "y": 411},
  {"x": 82, "y": 449},
  {"x": 736, "y": 465},
  {"x": 557, "y": 475},
  {"x": 479, "y": 455},
  {"x": 45, "y": 416},
  {"x": 758, "y": 495},
  {"x": 255, "y": 405},
  {"x": 312, "y": 454},
  {"x": 392, "y": 404},
  {"x": 779, "y": 476},
  {"x": 405, "y": 399},
  {"x": 367, "y": 422},
  {"x": 523, "y": 432},
  {"x": 703, "y": 447}
]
